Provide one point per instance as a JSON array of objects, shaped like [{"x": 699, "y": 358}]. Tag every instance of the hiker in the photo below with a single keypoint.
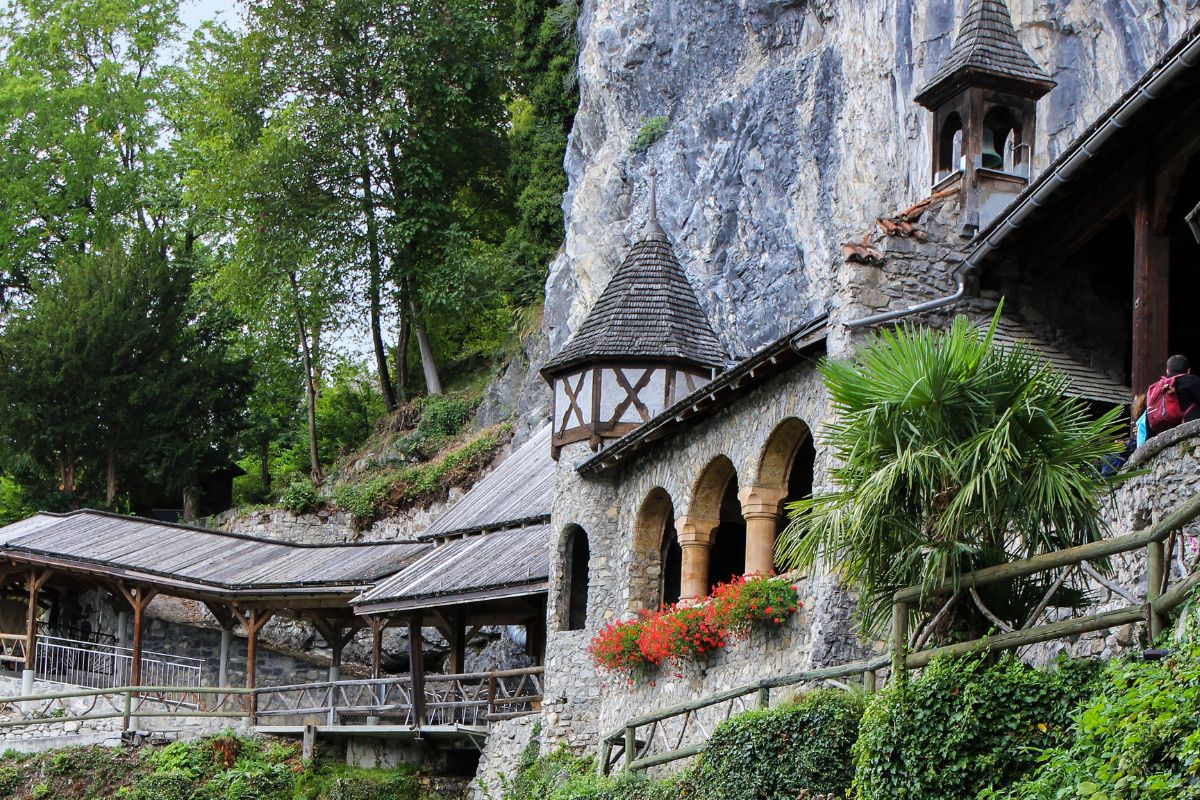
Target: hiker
[
  {"x": 1174, "y": 398},
  {"x": 1141, "y": 428}
]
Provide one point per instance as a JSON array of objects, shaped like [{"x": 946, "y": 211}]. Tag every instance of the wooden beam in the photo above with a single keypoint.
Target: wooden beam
[
  {"x": 377, "y": 624},
  {"x": 416, "y": 668},
  {"x": 458, "y": 640},
  {"x": 1151, "y": 287},
  {"x": 225, "y": 616},
  {"x": 253, "y": 620}
]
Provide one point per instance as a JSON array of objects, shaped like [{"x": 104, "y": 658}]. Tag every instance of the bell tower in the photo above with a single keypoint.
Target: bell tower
[
  {"x": 644, "y": 345},
  {"x": 984, "y": 104}
]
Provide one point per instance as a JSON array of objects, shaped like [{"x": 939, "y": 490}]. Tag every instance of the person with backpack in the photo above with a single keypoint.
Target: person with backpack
[{"x": 1174, "y": 398}]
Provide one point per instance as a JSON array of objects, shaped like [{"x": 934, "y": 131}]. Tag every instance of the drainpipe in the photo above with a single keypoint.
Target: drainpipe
[{"x": 920, "y": 308}]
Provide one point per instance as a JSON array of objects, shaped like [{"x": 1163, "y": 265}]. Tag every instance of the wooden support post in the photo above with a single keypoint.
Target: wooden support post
[
  {"x": 458, "y": 641},
  {"x": 630, "y": 746},
  {"x": 764, "y": 697},
  {"x": 1155, "y": 569},
  {"x": 605, "y": 752},
  {"x": 869, "y": 680},
  {"x": 899, "y": 636},
  {"x": 34, "y": 581},
  {"x": 138, "y": 598},
  {"x": 331, "y": 631},
  {"x": 377, "y": 625},
  {"x": 253, "y": 621},
  {"x": 1151, "y": 285},
  {"x": 416, "y": 668}
]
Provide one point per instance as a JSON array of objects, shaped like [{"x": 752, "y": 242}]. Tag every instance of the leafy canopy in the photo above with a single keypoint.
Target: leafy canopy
[{"x": 952, "y": 453}]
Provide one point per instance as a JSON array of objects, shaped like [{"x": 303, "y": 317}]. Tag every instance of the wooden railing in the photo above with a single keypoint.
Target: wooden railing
[
  {"x": 682, "y": 731},
  {"x": 474, "y": 699},
  {"x": 12, "y": 649}
]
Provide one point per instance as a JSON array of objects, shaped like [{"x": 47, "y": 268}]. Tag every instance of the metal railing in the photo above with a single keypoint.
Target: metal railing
[
  {"x": 106, "y": 666},
  {"x": 1172, "y": 574}
]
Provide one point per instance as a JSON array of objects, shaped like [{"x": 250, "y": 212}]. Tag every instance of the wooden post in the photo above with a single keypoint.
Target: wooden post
[
  {"x": 764, "y": 697},
  {"x": 602, "y": 764},
  {"x": 138, "y": 598},
  {"x": 458, "y": 640},
  {"x": 377, "y": 625},
  {"x": 899, "y": 636},
  {"x": 630, "y": 746},
  {"x": 416, "y": 668},
  {"x": 869, "y": 679},
  {"x": 1151, "y": 285},
  {"x": 35, "y": 581},
  {"x": 253, "y": 620},
  {"x": 1155, "y": 568}
]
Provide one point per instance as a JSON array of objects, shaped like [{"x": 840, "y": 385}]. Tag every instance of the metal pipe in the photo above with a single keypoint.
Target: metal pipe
[{"x": 929, "y": 305}]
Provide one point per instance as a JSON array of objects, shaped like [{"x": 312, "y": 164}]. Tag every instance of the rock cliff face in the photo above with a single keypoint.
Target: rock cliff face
[{"x": 791, "y": 129}]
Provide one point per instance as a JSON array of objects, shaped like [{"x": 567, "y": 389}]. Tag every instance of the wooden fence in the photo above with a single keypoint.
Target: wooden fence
[
  {"x": 474, "y": 699},
  {"x": 682, "y": 731}
]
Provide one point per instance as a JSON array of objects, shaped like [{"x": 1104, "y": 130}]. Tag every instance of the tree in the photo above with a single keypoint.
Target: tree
[
  {"x": 118, "y": 374},
  {"x": 952, "y": 453},
  {"x": 81, "y": 87}
]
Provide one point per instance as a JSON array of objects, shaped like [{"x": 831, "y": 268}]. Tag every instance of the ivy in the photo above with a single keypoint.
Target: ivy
[{"x": 965, "y": 724}]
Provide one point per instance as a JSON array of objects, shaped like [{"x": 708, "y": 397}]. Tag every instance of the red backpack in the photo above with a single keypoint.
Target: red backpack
[{"x": 1162, "y": 406}]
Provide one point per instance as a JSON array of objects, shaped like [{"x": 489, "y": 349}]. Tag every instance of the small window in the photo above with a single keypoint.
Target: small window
[{"x": 575, "y": 570}]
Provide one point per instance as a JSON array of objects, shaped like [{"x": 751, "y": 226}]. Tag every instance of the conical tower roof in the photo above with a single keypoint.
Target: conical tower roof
[
  {"x": 648, "y": 312},
  {"x": 988, "y": 53}
]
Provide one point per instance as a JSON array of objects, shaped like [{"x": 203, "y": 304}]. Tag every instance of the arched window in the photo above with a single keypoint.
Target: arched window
[
  {"x": 575, "y": 580},
  {"x": 728, "y": 558},
  {"x": 1001, "y": 149},
  {"x": 950, "y": 146},
  {"x": 656, "y": 569}
]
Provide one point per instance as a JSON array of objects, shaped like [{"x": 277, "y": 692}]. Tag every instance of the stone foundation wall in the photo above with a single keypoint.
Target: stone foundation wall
[{"x": 501, "y": 756}]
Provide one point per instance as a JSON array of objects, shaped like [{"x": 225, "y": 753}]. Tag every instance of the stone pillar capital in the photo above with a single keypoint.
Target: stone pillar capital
[
  {"x": 761, "y": 501},
  {"x": 692, "y": 531}
]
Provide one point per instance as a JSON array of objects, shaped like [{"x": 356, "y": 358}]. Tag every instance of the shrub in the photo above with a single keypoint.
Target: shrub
[
  {"x": 678, "y": 632},
  {"x": 300, "y": 497},
  {"x": 443, "y": 416},
  {"x": 1138, "y": 739},
  {"x": 963, "y": 725},
  {"x": 779, "y": 753},
  {"x": 10, "y": 779},
  {"x": 651, "y": 131}
]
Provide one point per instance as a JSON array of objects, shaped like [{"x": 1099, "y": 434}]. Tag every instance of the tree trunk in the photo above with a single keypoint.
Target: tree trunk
[
  {"x": 66, "y": 464},
  {"x": 402, "y": 358},
  {"x": 375, "y": 281},
  {"x": 264, "y": 466},
  {"x": 310, "y": 387},
  {"x": 433, "y": 382},
  {"x": 110, "y": 485},
  {"x": 191, "y": 504}
]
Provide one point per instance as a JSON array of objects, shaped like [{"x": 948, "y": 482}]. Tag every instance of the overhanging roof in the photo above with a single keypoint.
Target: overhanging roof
[
  {"x": 489, "y": 566},
  {"x": 1086, "y": 382},
  {"x": 199, "y": 561}
]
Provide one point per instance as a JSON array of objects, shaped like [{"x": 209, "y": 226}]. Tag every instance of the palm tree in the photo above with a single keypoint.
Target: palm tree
[{"x": 952, "y": 453}]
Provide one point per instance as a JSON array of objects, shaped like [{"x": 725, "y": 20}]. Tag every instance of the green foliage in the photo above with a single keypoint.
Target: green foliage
[
  {"x": 13, "y": 505},
  {"x": 347, "y": 410},
  {"x": 963, "y": 725},
  {"x": 443, "y": 416},
  {"x": 775, "y": 754},
  {"x": 1138, "y": 739},
  {"x": 300, "y": 497},
  {"x": 10, "y": 779},
  {"x": 368, "y": 495},
  {"x": 651, "y": 131},
  {"x": 953, "y": 453}
]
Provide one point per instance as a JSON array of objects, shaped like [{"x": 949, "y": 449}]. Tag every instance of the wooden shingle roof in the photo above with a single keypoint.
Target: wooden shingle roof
[
  {"x": 508, "y": 563},
  {"x": 520, "y": 490},
  {"x": 1086, "y": 382},
  {"x": 986, "y": 51},
  {"x": 647, "y": 312},
  {"x": 199, "y": 560}
]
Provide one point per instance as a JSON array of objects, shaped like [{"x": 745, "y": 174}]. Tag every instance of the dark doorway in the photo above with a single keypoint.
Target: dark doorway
[
  {"x": 576, "y": 568},
  {"x": 727, "y": 559}
]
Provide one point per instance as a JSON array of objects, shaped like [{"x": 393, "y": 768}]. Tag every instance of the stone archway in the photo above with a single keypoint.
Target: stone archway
[
  {"x": 711, "y": 528},
  {"x": 785, "y": 474},
  {"x": 575, "y": 580},
  {"x": 655, "y": 571}
]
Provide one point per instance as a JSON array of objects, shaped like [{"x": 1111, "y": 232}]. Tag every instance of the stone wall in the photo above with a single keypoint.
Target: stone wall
[{"x": 501, "y": 755}]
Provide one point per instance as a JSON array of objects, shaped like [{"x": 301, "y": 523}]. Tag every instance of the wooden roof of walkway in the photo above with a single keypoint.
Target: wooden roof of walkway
[{"x": 201, "y": 563}]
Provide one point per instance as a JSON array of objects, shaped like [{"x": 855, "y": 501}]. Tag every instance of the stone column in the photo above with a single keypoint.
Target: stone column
[
  {"x": 695, "y": 539},
  {"x": 760, "y": 508}
]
